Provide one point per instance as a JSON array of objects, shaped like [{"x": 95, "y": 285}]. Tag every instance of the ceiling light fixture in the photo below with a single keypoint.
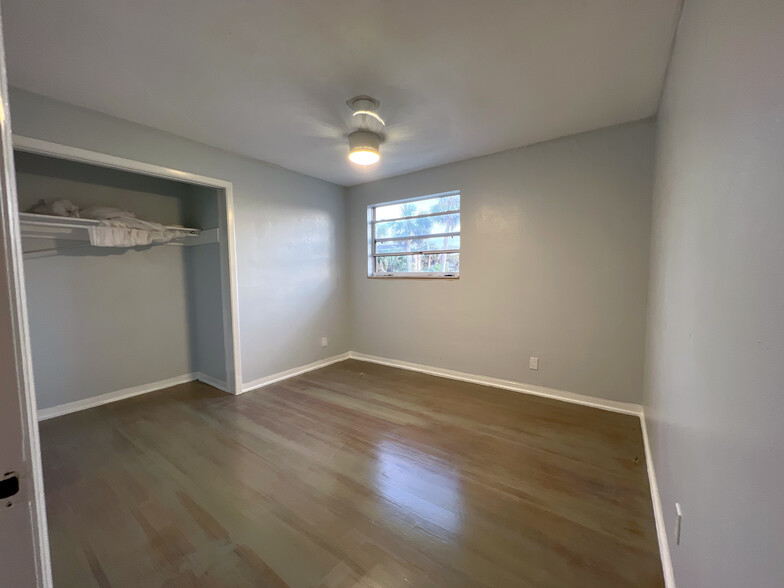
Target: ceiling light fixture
[
  {"x": 363, "y": 147},
  {"x": 370, "y": 113},
  {"x": 364, "y": 142}
]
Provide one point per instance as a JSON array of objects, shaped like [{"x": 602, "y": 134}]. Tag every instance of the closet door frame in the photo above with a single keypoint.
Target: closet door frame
[
  {"x": 24, "y": 540},
  {"x": 228, "y": 259}
]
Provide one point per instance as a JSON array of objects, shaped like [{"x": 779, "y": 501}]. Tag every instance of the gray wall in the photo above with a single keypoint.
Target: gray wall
[
  {"x": 554, "y": 264},
  {"x": 205, "y": 310},
  {"x": 154, "y": 199},
  {"x": 105, "y": 322},
  {"x": 205, "y": 301},
  {"x": 289, "y": 231},
  {"x": 714, "y": 369}
]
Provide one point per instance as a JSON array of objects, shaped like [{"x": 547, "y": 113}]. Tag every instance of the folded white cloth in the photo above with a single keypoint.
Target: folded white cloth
[
  {"x": 120, "y": 228},
  {"x": 108, "y": 234}
]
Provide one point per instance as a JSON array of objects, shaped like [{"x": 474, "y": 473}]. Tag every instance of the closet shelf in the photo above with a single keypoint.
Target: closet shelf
[{"x": 43, "y": 226}]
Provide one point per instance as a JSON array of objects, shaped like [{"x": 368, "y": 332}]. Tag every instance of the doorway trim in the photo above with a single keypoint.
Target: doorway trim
[{"x": 228, "y": 260}]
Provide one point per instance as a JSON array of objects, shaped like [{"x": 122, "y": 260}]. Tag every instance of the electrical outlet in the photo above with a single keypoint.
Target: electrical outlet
[
  {"x": 678, "y": 518},
  {"x": 533, "y": 363},
  {"x": 324, "y": 341}
]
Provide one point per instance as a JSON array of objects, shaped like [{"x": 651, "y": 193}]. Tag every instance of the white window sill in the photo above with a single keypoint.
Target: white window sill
[{"x": 418, "y": 276}]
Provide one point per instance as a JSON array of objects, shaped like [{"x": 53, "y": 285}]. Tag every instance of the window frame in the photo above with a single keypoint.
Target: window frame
[{"x": 372, "y": 241}]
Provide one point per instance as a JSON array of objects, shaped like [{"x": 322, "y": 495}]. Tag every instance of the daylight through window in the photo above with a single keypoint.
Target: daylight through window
[{"x": 419, "y": 237}]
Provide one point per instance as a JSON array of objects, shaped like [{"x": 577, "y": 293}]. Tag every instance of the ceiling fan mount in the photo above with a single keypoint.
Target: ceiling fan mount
[{"x": 365, "y": 139}]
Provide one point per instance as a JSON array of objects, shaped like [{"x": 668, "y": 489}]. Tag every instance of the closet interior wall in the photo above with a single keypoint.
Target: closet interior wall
[
  {"x": 103, "y": 320},
  {"x": 203, "y": 272}
]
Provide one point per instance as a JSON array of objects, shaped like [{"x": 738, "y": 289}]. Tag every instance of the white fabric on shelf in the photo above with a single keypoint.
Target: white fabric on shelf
[
  {"x": 56, "y": 208},
  {"x": 121, "y": 228},
  {"x": 117, "y": 227}
]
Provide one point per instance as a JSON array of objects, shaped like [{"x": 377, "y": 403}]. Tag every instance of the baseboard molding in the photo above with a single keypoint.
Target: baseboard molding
[
  {"x": 658, "y": 513},
  {"x": 604, "y": 404},
  {"x": 214, "y": 382},
  {"x": 611, "y": 405},
  {"x": 63, "y": 409},
  {"x": 284, "y": 375},
  {"x": 84, "y": 404}
]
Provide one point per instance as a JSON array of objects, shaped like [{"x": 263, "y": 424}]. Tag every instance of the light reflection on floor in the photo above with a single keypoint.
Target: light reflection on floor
[{"x": 419, "y": 485}]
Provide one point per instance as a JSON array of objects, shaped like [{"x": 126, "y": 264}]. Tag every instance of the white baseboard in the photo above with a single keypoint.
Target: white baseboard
[
  {"x": 284, "y": 375},
  {"x": 611, "y": 405},
  {"x": 62, "y": 409},
  {"x": 658, "y": 513},
  {"x": 84, "y": 404},
  {"x": 214, "y": 382}
]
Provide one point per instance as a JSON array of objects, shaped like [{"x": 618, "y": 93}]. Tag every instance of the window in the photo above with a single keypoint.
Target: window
[{"x": 415, "y": 238}]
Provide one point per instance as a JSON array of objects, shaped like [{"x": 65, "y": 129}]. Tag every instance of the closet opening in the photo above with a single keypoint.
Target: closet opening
[{"x": 129, "y": 276}]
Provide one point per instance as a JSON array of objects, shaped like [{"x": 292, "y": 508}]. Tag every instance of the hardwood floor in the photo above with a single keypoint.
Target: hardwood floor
[{"x": 353, "y": 475}]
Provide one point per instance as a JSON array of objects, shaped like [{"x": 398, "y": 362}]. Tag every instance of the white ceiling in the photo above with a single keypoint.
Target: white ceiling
[{"x": 269, "y": 78}]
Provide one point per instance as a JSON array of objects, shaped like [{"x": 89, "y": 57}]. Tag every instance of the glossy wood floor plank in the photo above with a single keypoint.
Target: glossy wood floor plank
[{"x": 352, "y": 475}]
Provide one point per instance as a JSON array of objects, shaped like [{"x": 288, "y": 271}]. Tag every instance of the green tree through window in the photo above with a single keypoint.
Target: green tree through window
[{"x": 418, "y": 236}]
